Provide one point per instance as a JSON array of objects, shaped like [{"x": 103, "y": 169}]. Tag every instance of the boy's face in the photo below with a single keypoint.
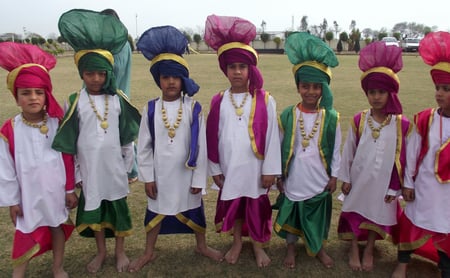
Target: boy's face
[
  {"x": 310, "y": 94},
  {"x": 443, "y": 97},
  {"x": 237, "y": 74},
  {"x": 94, "y": 81},
  {"x": 31, "y": 100},
  {"x": 377, "y": 98},
  {"x": 170, "y": 87}
]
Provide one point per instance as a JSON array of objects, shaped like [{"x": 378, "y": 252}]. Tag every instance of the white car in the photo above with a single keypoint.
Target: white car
[
  {"x": 410, "y": 44},
  {"x": 390, "y": 41}
]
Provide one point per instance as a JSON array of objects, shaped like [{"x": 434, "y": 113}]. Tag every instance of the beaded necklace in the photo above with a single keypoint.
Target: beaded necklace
[
  {"x": 376, "y": 131},
  {"x": 306, "y": 138},
  {"x": 43, "y": 128},
  {"x": 171, "y": 129},
  {"x": 103, "y": 120},
  {"x": 238, "y": 109}
]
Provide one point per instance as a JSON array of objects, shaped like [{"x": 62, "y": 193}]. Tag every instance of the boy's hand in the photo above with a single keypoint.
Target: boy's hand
[
  {"x": 408, "y": 194},
  {"x": 71, "y": 200},
  {"x": 14, "y": 212},
  {"x": 151, "y": 190},
  {"x": 195, "y": 190},
  {"x": 389, "y": 198},
  {"x": 346, "y": 187},
  {"x": 218, "y": 180},
  {"x": 267, "y": 180},
  {"x": 331, "y": 186}
]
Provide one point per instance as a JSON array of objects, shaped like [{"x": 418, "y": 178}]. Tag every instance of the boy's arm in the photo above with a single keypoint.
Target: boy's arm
[
  {"x": 272, "y": 162},
  {"x": 145, "y": 160},
  {"x": 200, "y": 175},
  {"x": 347, "y": 156},
  {"x": 336, "y": 160},
  {"x": 9, "y": 189},
  {"x": 128, "y": 156}
]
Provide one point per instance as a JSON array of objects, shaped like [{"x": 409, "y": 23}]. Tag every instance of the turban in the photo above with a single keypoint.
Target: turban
[
  {"x": 434, "y": 50},
  {"x": 312, "y": 59},
  {"x": 164, "y": 46},
  {"x": 380, "y": 63},
  {"x": 29, "y": 67},
  {"x": 95, "y": 37},
  {"x": 230, "y": 37}
]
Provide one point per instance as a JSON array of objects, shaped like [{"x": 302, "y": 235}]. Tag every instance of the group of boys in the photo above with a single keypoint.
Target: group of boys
[{"x": 238, "y": 145}]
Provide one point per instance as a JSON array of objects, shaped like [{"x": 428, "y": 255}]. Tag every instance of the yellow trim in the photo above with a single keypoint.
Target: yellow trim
[
  {"x": 240, "y": 45},
  {"x": 436, "y": 162},
  {"x": 170, "y": 56},
  {"x": 346, "y": 236},
  {"x": 105, "y": 53},
  {"x": 4, "y": 138},
  {"x": 319, "y": 140},
  {"x": 97, "y": 227},
  {"x": 72, "y": 106},
  {"x": 314, "y": 64},
  {"x": 250, "y": 125},
  {"x": 444, "y": 66},
  {"x": 384, "y": 70},
  {"x": 12, "y": 75},
  {"x": 413, "y": 245},
  {"x": 27, "y": 256},
  {"x": 376, "y": 229},
  {"x": 154, "y": 222},
  {"x": 191, "y": 224},
  {"x": 291, "y": 144},
  {"x": 398, "y": 149}
]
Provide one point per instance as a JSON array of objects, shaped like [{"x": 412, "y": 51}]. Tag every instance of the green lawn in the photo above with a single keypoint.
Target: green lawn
[{"x": 176, "y": 257}]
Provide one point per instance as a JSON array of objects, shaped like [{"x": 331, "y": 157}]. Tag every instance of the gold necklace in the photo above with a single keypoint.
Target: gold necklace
[
  {"x": 376, "y": 131},
  {"x": 165, "y": 119},
  {"x": 103, "y": 120},
  {"x": 43, "y": 128},
  {"x": 306, "y": 138},
  {"x": 238, "y": 109}
]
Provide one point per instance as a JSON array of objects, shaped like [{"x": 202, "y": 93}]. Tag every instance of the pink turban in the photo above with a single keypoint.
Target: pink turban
[
  {"x": 28, "y": 67},
  {"x": 380, "y": 64},
  {"x": 231, "y": 38},
  {"x": 434, "y": 50}
]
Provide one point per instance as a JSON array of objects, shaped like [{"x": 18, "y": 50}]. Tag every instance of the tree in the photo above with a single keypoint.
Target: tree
[
  {"x": 323, "y": 28},
  {"x": 265, "y": 38},
  {"x": 277, "y": 42},
  {"x": 197, "y": 39},
  {"x": 343, "y": 37},
  {"x": 304, "y": 24},
  {"x": 357, "y": 47},
  {"x": 336, "y": 28},
  {"x": 263, "y": 26},
  {"x": 329, "y": 36},
  {"x": 339, "y": 46}
]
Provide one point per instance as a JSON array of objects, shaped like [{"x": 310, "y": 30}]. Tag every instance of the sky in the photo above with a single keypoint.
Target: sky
[{"x": 41, "y": 17}]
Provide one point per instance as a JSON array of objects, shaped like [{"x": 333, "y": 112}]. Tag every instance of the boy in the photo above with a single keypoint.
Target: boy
[
  {"x": 172, "y": 147},
  {"x": 39, "y": 202},
  {"x": 427, "y": 180},
  {"x": 310, "y": 150},
  {"x": 99, "y": 128},
  {"x": 243, "y": 139},
  {"x": 373, "y": 159}
]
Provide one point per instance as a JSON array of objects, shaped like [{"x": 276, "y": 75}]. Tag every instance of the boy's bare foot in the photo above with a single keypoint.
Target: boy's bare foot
[
  {"x": 353, "y": 259},
  {"x": 367, "y": 261},
  {"x": 262, "y": 260},
  {"x": 399, "y": 271},
  {"x": 289, "y": 260},
  {"x": 96, "y": 263},
  {"x": 210, "y": 253},
  {"x": 140, "y": 262},
  {"x": 122, "y": 262},
  {"x": 60, "y": 273},
  {"x": 326, "y": 260},
  {"x": 232, "y": 255}
]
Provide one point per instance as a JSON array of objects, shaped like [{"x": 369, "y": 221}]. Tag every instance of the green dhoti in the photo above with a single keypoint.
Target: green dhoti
[
  {"x": 112, "y": 216},
  {"x": 309, "y": 219}
]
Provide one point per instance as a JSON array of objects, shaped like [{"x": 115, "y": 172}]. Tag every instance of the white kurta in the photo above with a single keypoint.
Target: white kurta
[
  {"x": 307, "y": 173},
  {"x": 368, "y": 167},
  {"x": 166, "y": 163},
  {"x": 430, "y": 208},
  {"x": 103, "y": 163},
  {"x": 36, "y": 179},
  {"x": 238, "y": 163}
]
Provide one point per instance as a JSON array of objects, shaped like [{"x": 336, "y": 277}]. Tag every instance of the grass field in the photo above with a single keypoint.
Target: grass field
[{"x": 176, "y": 257}]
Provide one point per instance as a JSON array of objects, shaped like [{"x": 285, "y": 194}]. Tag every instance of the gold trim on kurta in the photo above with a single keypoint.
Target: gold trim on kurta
[
  {"x": 154, "y": 222},
  {"x": 436, "y": 162},
  {"x": 191, "y": 224},
  {"x": 104, "y": 225},
  {"x": 250, "y": 125},
  {"x": 27, "y": 256}
]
